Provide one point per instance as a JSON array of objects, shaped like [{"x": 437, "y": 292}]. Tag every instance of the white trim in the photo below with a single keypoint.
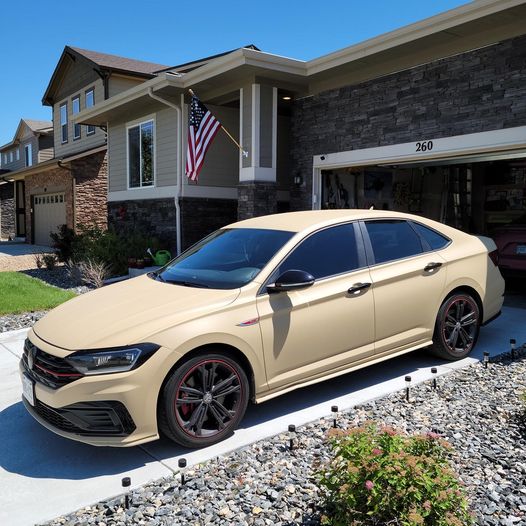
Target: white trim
[
  {"x": 256, "y": 95},
  {"x": 134, "y": 124},
  {"x": 275, "y": 129},
  {"x": 90, "y": 129},
  {"x": 146, "y": 192},
  {"x": 62, "y": 124},
  {"x": 241, "y": 129},
  {"x": 28, "y": 158},
  {"x": 211, "y": 192},
  {"x": 73, "y": 99},
  {"x": 257, "y": 173},
  {"x": 507, "y": 139}
]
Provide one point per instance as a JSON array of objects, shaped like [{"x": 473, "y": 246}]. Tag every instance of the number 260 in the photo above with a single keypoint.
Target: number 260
[{"x": 424, "y": 146}]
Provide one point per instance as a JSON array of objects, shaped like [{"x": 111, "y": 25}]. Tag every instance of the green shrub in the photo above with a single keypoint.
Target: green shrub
[
  {"x": 380, "y": 476},
  {"x": 105, "y": 247}
]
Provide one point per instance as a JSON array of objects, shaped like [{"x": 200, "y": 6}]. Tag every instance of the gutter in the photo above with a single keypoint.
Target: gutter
[{"x": 179, "y": 156}]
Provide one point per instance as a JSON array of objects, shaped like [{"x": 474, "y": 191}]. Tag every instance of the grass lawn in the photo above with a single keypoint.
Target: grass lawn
[{"x": 20, "y": 293}]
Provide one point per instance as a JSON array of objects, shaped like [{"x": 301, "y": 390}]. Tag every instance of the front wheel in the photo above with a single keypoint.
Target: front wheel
[
  {"x": 203, "y": 401},
  {"x": 456, "y": 327}
]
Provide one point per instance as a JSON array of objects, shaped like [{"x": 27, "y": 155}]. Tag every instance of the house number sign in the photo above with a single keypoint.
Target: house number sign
[{"x": 424, "y": 146}]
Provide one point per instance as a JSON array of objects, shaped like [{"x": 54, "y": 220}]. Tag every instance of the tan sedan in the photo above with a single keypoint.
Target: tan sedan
[{"x": 254, "y": 310}]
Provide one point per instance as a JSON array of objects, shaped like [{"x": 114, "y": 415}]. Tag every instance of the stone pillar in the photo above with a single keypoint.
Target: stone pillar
[{"x": 257, "y": 190}]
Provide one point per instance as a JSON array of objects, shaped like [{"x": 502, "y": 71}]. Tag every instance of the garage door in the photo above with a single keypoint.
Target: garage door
[{"x": 50, "y": 213}]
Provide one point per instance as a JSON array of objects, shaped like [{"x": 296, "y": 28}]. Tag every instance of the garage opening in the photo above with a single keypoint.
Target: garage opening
[
  {"x": 484, "y": 195},
  {"x": 49, "y": 214}
]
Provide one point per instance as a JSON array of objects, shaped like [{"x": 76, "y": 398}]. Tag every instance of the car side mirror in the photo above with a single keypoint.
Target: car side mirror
[{"x": 291, "y": 280}]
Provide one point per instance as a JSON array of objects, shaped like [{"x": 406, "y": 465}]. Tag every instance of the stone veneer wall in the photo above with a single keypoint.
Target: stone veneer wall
[
  {"x": 91, "y": 190},
  {"x": 200, "y": 217},
  {"x": 7, "y": 210},
  {"x": 49, "y": 181},
  {"x": 256, "y": 199},
  {"x": 476, "y": 91},
  {"x": 152, "y": 217}
]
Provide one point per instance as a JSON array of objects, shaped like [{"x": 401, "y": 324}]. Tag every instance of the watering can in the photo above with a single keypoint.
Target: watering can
[{"x": 162, "y": 257}]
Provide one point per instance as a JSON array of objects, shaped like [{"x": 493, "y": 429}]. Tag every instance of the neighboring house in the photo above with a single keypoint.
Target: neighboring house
[
  {"x": 32, "y": 144},
  {"x": 429, "y": 118},
  {"x": 71, "y": 187}
]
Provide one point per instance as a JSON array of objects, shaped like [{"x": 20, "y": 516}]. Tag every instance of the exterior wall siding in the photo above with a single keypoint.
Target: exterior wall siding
[
  {"x": 91, "y": 187},
  {"x": 71, "y": 87},
  {"x": 477, "y": 91},
  {"x": 118, "y": 84},
  {"x": 7, "y": 210}
]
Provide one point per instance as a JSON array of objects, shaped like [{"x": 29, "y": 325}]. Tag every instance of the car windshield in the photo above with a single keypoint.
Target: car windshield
[{"x": 226, "y": 259}]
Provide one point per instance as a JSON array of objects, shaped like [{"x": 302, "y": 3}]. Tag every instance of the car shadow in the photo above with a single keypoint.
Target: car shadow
[{"x": 31, "y": 450}]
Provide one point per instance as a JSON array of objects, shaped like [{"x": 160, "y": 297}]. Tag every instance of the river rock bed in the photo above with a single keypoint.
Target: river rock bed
[{"x": 478, "y": 410}]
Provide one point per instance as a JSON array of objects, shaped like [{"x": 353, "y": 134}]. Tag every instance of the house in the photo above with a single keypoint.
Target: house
[
  {"x": 429, "y": 118},
  {"x": 32, "y": 144},
  {"x": 70, "y": 187}
]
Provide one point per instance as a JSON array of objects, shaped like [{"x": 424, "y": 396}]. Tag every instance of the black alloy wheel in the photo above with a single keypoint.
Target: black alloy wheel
[
  {"x": 457, "y": 327},
  {"x": 203, "y": 401}
]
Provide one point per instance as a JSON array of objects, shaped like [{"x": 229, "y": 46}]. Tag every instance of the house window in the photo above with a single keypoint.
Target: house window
[
  {"x": 11, "y": 156},
  {"x": 140, "y": 155},
  {"x": 64, "y": 121},
  {"x": 75, "y": 108},
  {"x": 17, "y": 154},
  {"x": 90, "y": 102},
  {"x": 28, "y": 152}
]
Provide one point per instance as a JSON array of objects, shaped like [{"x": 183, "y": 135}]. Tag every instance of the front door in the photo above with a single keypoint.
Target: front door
[
  {"x": 310, "y": 332},
  {"x": 20, "y": 209}
]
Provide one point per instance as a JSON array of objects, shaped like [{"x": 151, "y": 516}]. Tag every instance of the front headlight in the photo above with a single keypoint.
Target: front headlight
[{"x": 105, "y": 361}]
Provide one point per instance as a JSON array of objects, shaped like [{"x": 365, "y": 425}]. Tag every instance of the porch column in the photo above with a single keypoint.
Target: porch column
[{"x": 257, "y": 190}]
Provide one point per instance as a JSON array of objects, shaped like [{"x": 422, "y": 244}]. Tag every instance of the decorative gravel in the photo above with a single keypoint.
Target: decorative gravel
[
  {"x": 58, "y": 277},
  {"x": 478, "y": 410}
]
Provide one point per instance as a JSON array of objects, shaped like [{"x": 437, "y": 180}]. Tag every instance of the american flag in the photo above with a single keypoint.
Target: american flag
[{"x": 202, "y": 128}]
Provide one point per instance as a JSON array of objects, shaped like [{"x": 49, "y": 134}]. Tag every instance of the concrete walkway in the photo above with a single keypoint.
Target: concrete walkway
[
  {"x": 43, "y": 475},
  {"x": 11, "y": 248}
]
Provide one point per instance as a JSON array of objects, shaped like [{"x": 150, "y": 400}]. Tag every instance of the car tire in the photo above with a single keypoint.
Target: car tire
[
  {"x": 203, "y": 400},
  {"x": 457, "y": 327}
]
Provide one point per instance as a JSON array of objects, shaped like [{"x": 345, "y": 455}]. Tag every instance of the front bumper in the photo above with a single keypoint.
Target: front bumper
[{"x": 104, "y": 410}]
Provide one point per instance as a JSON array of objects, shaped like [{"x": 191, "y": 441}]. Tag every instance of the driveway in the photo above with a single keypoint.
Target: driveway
[
  {"x": 19, "y": 256},
  {"x": 43, "y": 476}
]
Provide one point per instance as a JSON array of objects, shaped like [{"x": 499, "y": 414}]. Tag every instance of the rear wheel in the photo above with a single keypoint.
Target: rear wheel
[
  {"x": 456, "y": 327},
  {"x": 203, "y": 401}
]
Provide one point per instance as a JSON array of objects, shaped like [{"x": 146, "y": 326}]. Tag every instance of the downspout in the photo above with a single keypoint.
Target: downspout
[{"x": 179, "y": 154}]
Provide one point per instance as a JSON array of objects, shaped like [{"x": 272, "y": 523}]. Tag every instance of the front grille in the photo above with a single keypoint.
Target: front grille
[
  {"x": 52, "y": 371},
  {"x": 88, "y": 418}
]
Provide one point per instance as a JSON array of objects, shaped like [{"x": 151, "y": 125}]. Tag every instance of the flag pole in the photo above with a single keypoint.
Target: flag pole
[{"x": 244, "y": 152}]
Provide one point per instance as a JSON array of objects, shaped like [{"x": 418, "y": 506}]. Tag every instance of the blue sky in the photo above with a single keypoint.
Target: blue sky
[{"x": 34, "y": 34}]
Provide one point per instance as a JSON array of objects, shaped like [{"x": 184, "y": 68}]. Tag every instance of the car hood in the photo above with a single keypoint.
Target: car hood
[{"x": 126, "y": 313}]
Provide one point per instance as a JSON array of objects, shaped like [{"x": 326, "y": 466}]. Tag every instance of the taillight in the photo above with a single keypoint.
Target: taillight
[{"x": 494, "y": 256}]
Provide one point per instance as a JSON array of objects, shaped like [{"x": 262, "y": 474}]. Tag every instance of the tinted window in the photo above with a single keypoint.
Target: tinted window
[
  {"x": 326, "y": 253},
  {"x": 393, "y": 240},
  {"x": 434, "y": 239},
  {"x": 226, "y": 259}
]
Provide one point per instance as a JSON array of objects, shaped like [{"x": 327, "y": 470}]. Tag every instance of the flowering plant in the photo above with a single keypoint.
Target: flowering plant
[{"x": 381, "y": 476}]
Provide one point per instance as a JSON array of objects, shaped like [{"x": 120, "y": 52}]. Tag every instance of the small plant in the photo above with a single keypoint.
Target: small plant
[
  {"x": 50, "y": 261},
  {"x": 381, "y": 476},
  {"x": 63, "y": 242},
  {"x": 93, "y": 272},
  {"x": 38, "y": 258}
]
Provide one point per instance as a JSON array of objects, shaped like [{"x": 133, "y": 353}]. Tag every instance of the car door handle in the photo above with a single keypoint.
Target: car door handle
[
  {"x": 432, "y": 266},
  {"x": 357, "y": 287}
]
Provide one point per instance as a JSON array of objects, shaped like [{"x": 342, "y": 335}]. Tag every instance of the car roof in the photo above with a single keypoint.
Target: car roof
[{"x": 299, "y": 221}]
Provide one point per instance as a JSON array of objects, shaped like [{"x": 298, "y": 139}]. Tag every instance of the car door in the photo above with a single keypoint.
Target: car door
[
  {"x": 408, "y": 280},
  {"x": 308, "y": 332}
]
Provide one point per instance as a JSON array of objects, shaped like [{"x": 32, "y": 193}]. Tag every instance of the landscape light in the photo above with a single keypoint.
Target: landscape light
[
  {"x": 512, "y": 345},
  {"x": 126, "y": 483},
  {"x": 434, "y": 372},
  {"x": 407, "y": 388},
  {"x": 181, "y": 464},
  {"x": 334, "y": 410},
  {"x": 292, "y": 431},
  {"x": 485, "y": 359}
]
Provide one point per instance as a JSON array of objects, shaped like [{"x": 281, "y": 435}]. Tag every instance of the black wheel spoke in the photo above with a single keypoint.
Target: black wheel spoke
[
  {"x": 190, "y": 391},
  {"x": 204, "y": 377},
  {"x": 223, "y": 410},
  {"x": 189, "y": 400},
  {"x": 224, "y": 383},
  {"x": 211, "y": 377},
  {"x": 227, "y": 390},
  {"x": 219, "y": 419},
  {"x": 460, "y": 325},
  {"x": 197, "y": 419},
  {"x": 453, "y": 339}
]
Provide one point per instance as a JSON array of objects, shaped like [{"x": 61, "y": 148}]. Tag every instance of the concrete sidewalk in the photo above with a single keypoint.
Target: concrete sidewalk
[{"x": 43, "y": 475}]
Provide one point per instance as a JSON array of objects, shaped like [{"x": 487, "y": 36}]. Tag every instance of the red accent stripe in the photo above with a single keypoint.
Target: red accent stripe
[{"x": 58, "y": 375}]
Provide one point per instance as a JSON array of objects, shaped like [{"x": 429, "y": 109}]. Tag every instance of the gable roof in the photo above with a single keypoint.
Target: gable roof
[
  {"x": 36, "y": 126},
  {"x": 102, "y": 63}
]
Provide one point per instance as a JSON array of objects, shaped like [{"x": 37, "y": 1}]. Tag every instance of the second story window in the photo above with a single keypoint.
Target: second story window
[
  {"x": 90, "y": 102},
  {"x": 17, "y": 154},
  {"x": 75, "y": 108},
  {"x": 64, "y": 122},
  {"x": 11, "y": 156},
  {"x": 28, "y": 152},
  {"x": 140, "y": 155}
]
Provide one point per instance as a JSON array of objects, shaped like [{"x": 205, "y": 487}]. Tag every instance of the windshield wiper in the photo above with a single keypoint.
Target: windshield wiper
[{"x": 186, "y": 283}]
